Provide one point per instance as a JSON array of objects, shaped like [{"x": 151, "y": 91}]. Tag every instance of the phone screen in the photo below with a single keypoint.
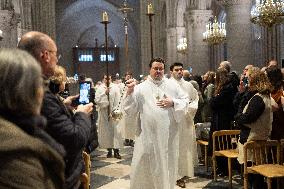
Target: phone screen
[{"x": 84, "y": 94}]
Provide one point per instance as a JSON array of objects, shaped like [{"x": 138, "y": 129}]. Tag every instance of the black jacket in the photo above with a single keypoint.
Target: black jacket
[
  {"x": 222, "y": 111},
  {"x": 72, "y": 131}
]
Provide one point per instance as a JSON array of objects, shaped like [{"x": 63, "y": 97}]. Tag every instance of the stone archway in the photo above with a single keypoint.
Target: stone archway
[{"x": 80, "y": 23}]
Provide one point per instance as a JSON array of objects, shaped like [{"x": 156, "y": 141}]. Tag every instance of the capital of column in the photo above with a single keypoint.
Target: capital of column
[
  {"x": 234, "y": 2},
  {"x": 198, "y": 18}
]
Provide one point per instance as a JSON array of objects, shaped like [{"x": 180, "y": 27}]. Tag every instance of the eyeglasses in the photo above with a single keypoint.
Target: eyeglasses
[
  {"x": 58, "y": 56},
  {"x": 158, "y": 69}
]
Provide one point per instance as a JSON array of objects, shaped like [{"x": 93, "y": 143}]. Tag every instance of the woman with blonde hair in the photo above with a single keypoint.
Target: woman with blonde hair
[
  {"x": 29, "y": 158},
  {"x": 256, "y": 117},
  {"x": 58, "y": 80},
  {"x": 74, "y": 133}
]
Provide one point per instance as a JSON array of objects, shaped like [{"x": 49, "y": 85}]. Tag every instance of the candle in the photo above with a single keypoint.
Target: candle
[
  {"x": 125, "y": 30},
  {"x": 150, "y": 8},
  {"x": 105, "y": 17}
]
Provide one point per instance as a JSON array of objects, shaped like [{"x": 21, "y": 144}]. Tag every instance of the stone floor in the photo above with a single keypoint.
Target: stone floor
[{"x": 111, "y": 173}]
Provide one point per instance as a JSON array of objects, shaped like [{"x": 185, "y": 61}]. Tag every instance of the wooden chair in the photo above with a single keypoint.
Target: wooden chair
[
  {"x": 282, "y": 151},
  {"x": 224, "y": 144},
  {"x": 205, "y": 144},
  {"x": 265, "y": 160},
  {"x": 85, "y": 177}
]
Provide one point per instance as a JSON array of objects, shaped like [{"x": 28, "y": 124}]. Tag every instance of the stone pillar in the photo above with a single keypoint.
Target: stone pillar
[
  {"x": 6, "y": 5},
  {"x": 239, "y": 38},
  {"x": 26, "y": 16},
  {"x": 198, "y": 54},
  {"x": 171, "y": 45},
  {"x": 8, "y": 25},
  {"x": 145, "y": 38},
  {"x": 43, "y": 16}
]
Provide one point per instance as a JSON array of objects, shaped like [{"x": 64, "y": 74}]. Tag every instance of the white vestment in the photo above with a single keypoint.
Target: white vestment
[
  {"x": 188, "y": 157},
  {"x": 128, "y": 122},
  {"x": 109, "y": 132},
  {"x": 154, "y": 163}
]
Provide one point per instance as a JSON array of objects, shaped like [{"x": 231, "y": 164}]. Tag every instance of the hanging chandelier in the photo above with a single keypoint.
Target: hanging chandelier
[
  {"x": 268, "y": 13},
  {"x": 182, "y": 45},
  {"x": 215, "y": 32}
]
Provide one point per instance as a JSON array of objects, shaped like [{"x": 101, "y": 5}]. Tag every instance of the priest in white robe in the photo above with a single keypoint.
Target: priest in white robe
[
  {"x": 109, "y": 132},
  {"x": 129, "y": 121},
  {"x": 188, "y": 158},
  {"x": 161, "y": 104}
]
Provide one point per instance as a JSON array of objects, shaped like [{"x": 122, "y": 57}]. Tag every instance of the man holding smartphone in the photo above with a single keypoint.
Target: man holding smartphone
[{"x": 72, "y": 131}]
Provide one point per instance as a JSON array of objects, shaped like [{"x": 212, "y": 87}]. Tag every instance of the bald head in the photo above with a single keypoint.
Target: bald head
[
  {"x": 41, "y": 47},
  {"x": 33, "y": 42}
]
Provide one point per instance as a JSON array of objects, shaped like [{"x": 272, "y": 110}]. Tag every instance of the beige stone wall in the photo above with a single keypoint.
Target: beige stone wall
[
  {"x": 8, "y": 25},
  {"x": 173, "y": 19}
]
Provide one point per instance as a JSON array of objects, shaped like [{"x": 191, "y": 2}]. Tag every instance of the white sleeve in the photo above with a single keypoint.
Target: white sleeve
[
  {"x": 130, "y": 103},
  {"x": 101, "y": 98}
]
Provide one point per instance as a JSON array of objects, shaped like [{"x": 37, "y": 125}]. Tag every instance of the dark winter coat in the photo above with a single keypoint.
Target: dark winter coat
[
  {"x": 222, "y": 110},
  {"x": 29, "y": 157},
  {"x": 72, "y": 131}
]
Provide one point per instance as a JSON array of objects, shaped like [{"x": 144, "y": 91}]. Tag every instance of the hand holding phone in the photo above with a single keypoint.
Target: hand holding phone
[
  {"x": 69, "y": 100},
  {"x": 87, "y": 108},
  {"x": 85, "y": 92}
]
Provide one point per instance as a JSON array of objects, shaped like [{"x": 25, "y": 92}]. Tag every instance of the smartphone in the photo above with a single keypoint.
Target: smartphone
[
  {"x": 245, "y": 81},
  {"x": 84, "y": 92}
]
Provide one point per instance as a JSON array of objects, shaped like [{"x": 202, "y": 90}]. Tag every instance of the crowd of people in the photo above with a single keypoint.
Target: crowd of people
[{"x": 44, "y": 134}]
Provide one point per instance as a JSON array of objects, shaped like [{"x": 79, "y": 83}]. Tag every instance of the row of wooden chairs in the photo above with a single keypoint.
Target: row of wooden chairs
[{"x": 266, "y": 157}]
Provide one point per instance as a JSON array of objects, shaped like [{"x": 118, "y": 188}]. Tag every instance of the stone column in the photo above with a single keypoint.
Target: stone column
[
  {"x": 43, "y": 16},
  {"x": 171, "y": 44},
  {"x": 6, "y": 5},
  {"x": 239, "y": 38},
  {"x": 8, "y": 25},
  {"x": 198, "y": 54},
  {"x": 144, "y": 38},
  {"x": 26, "y": 16}
]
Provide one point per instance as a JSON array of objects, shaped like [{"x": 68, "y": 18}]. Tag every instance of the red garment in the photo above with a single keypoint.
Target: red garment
[{"x": 277, "y": 132}]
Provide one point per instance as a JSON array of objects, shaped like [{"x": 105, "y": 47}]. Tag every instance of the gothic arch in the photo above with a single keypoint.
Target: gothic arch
[{"x": 80, "y": 23}]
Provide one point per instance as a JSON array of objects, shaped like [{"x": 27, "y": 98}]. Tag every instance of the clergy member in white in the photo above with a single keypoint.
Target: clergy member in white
[
  {"x": 161, "y": 103},
  {"x": 108, "y": 129},
  {"x": 129, "y": 121},
  {"x": 187, "y": 139}
]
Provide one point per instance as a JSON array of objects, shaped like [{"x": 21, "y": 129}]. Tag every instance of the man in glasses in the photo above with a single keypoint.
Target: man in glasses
[
  {"x": 160, "y": 103},
  {"x": 70, "y": 130}
]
